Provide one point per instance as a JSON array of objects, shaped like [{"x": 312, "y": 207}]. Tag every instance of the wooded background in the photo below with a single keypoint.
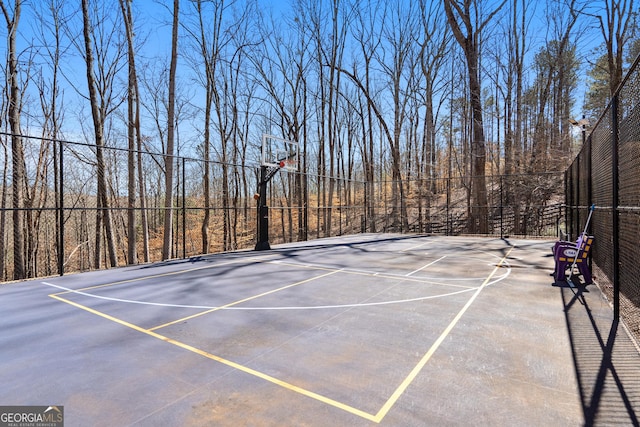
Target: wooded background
[{"x": 131, "y": 131}]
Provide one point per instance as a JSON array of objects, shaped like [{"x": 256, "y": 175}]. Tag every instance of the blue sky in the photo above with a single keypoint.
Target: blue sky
[{"x": 153, "y": 20}]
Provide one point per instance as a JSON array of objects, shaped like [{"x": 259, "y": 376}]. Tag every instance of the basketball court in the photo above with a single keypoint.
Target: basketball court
[{"x": 359, "y": 330}]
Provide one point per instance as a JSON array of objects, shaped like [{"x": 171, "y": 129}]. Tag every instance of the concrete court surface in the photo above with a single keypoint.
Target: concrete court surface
[{"x": 374, "y": 329}]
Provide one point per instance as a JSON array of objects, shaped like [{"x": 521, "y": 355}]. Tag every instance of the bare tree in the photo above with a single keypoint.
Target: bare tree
[
  {"x": 134, "y": 138},
  {"x": 358, "y": 84},
  {"x": 433, "y": 53},
  {"x": 555, "y": 62},
  {"x": 512, "y": 89},
  {"x": 125, "y": 7},
  {"x": 467, "y": 25},
  {"x": 17, "y": 149},
  {"x": 399, "y": 63},
  {"x": 330, "y": 52},
  {"x": 220, "y": 44},
  {"x": 238, "y": 101},
  {"x": 209, "y": 51},
  {"x": 99, "y": 111},
  {"x": 36, "y": 196},
  {"x": 368, "y": 41},
  {"x": 51, "y": 35},
  {"x": 169, "y": 156},
  {"x": 281, "y": 62},
  {"x": 616, "y": 27},
  {"x": 4, "y": 102},
  {"x": 516, "y": 49}
]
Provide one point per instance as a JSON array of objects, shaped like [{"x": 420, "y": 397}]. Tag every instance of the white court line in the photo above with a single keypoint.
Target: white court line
[
  {"x": 425, "y": 266},
  {"x": 207, "y": 307},
  {"x": 312, "y": 307},
  {"x": 128, "y": 301},
  {"x": 415, "y": 247},
  {"x": 416, "y": 370},
  {"x": 355, "y": 305},
  {"x": 431, "y": 280}
]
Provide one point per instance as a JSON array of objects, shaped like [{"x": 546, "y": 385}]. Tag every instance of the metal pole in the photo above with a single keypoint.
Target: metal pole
[
  {"x": 338, "y": 182},
  {"x": 567, "y": 196},
  {"x": 365, "y": 221},
  {"x": 589, "y": 177},
  {"x": 615, "y": 203},
  {"x": 305, "y": 199},
  {"x": 263, "y": 212},
  {"x": 589, "y": 164},
  {"x": 61, "y": 211},
  {"x": 501, "y": 208},
  {"x": 184, "y": 212}
]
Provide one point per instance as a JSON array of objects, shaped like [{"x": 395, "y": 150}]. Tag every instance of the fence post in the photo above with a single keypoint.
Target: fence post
[
  {"x": 567, "y": 195},
  {"x": 184, "y": 211},
  {"x": 568, "y": 210},
  {"x": 578, "y": 200},
  {"x": 448, "y": 219},
  {"x": 615, "y": 202},
  {"x": 501, "y": 208},
  {"x": 61, "y": 209},
  {"x": 589, "y": 166}
]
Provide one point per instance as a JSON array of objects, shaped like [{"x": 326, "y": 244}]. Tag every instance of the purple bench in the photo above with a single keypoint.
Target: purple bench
[{"x": 566, "y": 253}]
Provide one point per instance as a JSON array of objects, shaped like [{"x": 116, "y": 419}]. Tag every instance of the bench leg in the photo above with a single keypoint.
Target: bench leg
[
  {"x": 583, "y": 268},
  {"x": 559, "y": 272}
]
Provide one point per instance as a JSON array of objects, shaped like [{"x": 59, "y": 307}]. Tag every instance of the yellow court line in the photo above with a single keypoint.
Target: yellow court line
[
  {"x": 242, "y": 300},
  {"x": 377, "y": 418},
  {"x": 229, "y": 363},
  {"x": 416, "y": 370}
]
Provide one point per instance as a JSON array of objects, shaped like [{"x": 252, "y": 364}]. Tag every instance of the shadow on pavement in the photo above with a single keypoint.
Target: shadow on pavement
[{"x": 607, "y": 363}]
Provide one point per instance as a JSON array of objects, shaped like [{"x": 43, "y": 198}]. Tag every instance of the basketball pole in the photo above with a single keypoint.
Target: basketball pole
[
  {"x": 266, "y": 173},
  {"x": 276, "y": 154}
]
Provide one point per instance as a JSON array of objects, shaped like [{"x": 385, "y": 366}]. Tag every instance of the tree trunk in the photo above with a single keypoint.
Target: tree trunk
[
  {"x": 206, "y": 178},
  {"x": 620, "y": 18},
  {"x": 17, "y": 150},
  {"x": 168, "y": 158},
  {"x": 98, "y": 126},
  {"x": 3, "y": 213},
  {"x": 480, "y": 210},
  {"x": 132, "y": 95},
  {"x": 143, "y": 199},
  {"x": 468, "y": 41}
]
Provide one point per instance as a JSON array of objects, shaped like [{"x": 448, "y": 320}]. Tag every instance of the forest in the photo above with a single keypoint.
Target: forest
[{"x": 131, "y": 132}]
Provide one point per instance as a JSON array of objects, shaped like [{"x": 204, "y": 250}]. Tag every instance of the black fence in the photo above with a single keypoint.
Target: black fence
[
  {"x": 518, "y": 205},
  {"x": 64, "y": 224},
  {"x": 606, "y": 173}
]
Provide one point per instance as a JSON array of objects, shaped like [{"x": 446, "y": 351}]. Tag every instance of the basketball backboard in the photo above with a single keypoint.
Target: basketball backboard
[{"x": 280, "y": 153}]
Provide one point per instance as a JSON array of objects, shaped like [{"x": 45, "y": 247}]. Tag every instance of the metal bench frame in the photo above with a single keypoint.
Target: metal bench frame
[{"x": 570, "y": 254}]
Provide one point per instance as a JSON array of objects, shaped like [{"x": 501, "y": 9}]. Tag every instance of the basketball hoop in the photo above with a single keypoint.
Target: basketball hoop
[
  {"x": 280, "y": 153},
  {"x": 277, "y": 155}
]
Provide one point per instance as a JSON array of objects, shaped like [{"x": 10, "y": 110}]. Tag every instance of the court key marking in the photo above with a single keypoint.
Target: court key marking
[
  {"x": 427, "y": 265},
  {"x": 224, "y": 361},
  {"x": 377, "y": 418},
  {"x": 233, "y": 305}
]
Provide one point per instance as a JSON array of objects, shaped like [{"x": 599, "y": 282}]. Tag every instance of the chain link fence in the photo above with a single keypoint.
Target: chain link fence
[
  {"x": 518, "y": 205},
  {"x": 65, "y": 224},
  {"x": 606, "y": 173}
]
